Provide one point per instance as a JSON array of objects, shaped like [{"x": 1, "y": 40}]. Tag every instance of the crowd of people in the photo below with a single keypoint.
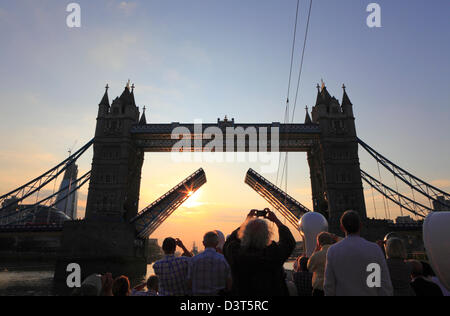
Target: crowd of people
[
  {"x": 250, "y": 263},
  {"x": 338, "y": 267}
]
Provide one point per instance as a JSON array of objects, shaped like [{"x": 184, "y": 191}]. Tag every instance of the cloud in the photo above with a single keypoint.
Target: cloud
[{"x": 127, "y": 7}]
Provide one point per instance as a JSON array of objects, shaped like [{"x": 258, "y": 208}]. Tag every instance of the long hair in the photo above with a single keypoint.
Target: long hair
[{"x": 255, "y": 234}]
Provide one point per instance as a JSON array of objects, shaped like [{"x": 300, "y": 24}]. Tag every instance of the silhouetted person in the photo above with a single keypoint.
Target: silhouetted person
[
  {"x": 429, "y": 274},
  {"x": 256, "y": 261},
  {"x": 422, "y": 286},
  {"x": 303, "y": 278},
  {"x": 152, "y": 285},
  {"x": 172, "y": 271},
  {"x": 209, "y": 273},
  {"x": 121, "y": 286},
  {"x": 399, "y": 270},
  {"x": 348, "y": 260},
  {"x": 316, "y": 264}
]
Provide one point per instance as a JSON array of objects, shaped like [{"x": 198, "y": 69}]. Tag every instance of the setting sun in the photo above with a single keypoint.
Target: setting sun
[{"x": 193, "y": 199}]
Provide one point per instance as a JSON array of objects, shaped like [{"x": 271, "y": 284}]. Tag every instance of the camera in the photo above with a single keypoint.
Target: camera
[{"x": 262, "y": 213}]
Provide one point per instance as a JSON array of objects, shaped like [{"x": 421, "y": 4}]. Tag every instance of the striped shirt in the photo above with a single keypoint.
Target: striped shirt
[
  {"x": 172, "y": 272},
  {"x": 209, "y": 272}
]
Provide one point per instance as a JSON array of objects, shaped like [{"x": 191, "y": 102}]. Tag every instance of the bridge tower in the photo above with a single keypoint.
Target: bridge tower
[
  {"x": 117, "y": 162},
  {"x": 106, "y": 240},
  {"x": 334, "y": 164}
]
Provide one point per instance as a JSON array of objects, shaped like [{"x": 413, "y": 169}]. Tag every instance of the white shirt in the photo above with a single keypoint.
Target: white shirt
[{"x": 346, "y": 269}]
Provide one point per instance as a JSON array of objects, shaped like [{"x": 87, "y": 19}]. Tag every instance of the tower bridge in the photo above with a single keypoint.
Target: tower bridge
[{"x": 114, "y": 234}]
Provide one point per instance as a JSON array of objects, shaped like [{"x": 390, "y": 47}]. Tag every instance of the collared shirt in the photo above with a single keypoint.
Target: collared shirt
[
  {"x": 209, "y": 272},
  {"x": 172, "y": 272}
]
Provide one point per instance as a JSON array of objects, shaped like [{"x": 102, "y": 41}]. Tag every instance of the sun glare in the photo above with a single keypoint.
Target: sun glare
[{"x": 193, "y": 199}]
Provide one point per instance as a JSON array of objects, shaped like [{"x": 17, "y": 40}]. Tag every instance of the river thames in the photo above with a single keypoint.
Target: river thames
[{"x": 37, "y": 280}]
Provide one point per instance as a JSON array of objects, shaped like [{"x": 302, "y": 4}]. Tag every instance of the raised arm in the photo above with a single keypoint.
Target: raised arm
[
  {"x": 287, "y": 240},
  {"x": 186, "y": 252}
]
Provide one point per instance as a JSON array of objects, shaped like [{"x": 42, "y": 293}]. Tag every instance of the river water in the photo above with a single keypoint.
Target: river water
[{"x": 38, "y": 280}]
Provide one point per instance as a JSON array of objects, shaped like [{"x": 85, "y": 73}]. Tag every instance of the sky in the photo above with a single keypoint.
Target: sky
[{"x": 204, "y": 59}]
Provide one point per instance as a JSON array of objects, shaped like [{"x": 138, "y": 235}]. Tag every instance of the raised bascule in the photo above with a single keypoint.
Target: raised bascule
[{"x": 114, "y": 234}]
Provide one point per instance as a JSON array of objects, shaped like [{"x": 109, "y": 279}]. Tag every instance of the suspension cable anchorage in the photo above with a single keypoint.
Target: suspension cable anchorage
[{"x": 424, "y": 188}]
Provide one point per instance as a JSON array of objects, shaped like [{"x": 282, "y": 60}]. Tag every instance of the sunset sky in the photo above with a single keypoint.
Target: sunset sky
[{"x": 203, "y": 59}]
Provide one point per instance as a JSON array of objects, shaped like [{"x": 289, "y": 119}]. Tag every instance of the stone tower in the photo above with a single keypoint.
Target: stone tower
[
  {"x": 334, "y": 164},
  {"x": 106, "y": 240},
  {"x": 117, "y": 163}
]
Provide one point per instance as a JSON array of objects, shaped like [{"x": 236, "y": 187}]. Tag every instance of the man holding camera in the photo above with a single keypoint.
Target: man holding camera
[{"x": 256, "y": 261}]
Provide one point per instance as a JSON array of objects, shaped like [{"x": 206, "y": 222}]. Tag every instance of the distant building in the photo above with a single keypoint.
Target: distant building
[
  {"x": 439, "y": 207},
  {"x": 405, "y": 220},
  {"x": 10, "y": 204},
  {"x": 194, "y": 249},
  {"x": 69, "y": 205}
]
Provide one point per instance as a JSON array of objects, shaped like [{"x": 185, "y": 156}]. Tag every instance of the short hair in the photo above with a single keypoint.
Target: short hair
[
  {"x": 152, "y": 282},
  {"x": 303, "y": 263},
  {"x": 169, "y": 245},
  {"x": 121, "y": 286},
  {"x": 427, "y": 269},
  {"x": 416, "y": 268},
  {"x": 325, "y": 238},
  {"x": 351, "y": 222},
  {"x": 211, "y": 239},
  {"x": 395, "y": 249},
  {"x": 256, "y": 234}
]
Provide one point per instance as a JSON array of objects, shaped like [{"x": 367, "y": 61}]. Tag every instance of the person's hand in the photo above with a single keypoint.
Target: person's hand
[
  {"x": 252, "y": 213},
  {"x": 272, "y": 217},
  {"x": 179, "y": 243},
  {"x": 107, "y": 284}
]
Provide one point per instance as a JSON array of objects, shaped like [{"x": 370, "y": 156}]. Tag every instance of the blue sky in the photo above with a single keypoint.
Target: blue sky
[{"x": 202, "y": 59}]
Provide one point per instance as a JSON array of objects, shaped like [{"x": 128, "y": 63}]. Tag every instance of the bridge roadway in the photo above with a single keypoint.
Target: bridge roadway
[{"x": 290, "y": 137}]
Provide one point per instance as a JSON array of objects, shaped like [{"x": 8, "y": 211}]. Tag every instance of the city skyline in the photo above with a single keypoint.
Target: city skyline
[{"x": 186, "y": 74}]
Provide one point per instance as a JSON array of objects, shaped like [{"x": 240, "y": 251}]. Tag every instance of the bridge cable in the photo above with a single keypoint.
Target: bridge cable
[
  {"x": 384, "y": 198},
  {"x": 374, "y": 205},
  {"x": 302, "y": 59},
  {"x": 286, "y": 113},
  {"x": 305, "y": 40},
  {"x": 396, "y": 187}
]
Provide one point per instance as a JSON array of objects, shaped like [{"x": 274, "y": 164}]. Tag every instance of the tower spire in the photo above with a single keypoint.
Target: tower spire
[
  {"x": 318, "y": 95},
  {"x": 307, "y": 118},
  {"x": 105, "y": 99},
  {"x": 345, "y": 98},
  {"x": 143, "y": 120}
]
